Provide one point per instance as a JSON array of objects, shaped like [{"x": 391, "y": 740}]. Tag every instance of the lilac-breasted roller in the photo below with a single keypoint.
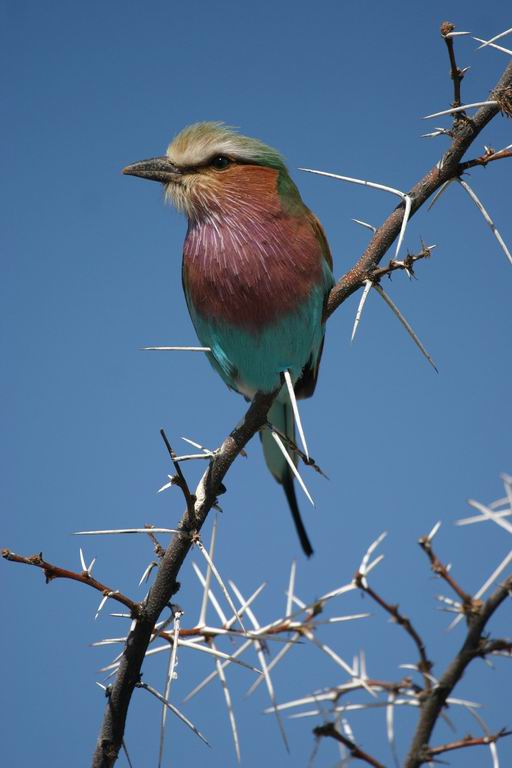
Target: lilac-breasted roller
[{"x": 256, "y": 272}]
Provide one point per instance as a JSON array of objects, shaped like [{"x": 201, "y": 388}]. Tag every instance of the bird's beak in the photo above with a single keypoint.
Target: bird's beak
[{"x": 156, "y": 169}]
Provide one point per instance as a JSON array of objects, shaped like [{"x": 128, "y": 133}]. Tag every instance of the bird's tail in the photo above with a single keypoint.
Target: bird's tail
[{"x": 281, "y": 417}]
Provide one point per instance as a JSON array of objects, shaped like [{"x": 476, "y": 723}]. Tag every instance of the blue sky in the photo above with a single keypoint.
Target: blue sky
[{"x": 91, "y": 273}]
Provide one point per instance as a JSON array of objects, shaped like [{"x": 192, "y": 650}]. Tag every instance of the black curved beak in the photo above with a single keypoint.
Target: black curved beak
[{"x": 156, "y": 169}]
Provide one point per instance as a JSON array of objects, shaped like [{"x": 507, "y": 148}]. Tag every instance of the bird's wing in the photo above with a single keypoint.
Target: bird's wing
[{"x": 320, "y": 236}]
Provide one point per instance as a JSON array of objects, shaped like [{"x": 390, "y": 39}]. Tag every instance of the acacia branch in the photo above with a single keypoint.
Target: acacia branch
[
  {"x": 356, "y": 752},
  {"x": 468, "y": 603},
  {"x": 424, "y": 665},
  {"x": 56, "y": 572},
  {"x": 464, "y": 133},
  {"x": 166, "y": 584},
  {"x": 467, "y": 741},
  {"x": 435, "y": 700},
  {"x": 456, "y": 74}
]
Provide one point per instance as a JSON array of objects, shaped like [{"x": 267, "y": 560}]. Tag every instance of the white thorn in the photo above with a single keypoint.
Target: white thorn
[
  {"x": 363, "y": 182},
  {"x": 498, "y": 47},
  {"x": 292, "y": 466},
  {"x": 486, "y": 216},
  {"x": 291, "y": 587},
  {"x": 365, "y": 224},
  {"x": 173, "y": 709},
  {"x": 229, "y": 706},
  {"x": 147, "y": 572},
  {"x": 439, "y": 192},
  {"x": 295, "y": 408},
  {"x": 104, "y": 600},
  {"x": 407, "y": 211},
  {"x": 391, "y": 304},
  {"x": 217, "y": 575},
  {"x": 462, "y": 108},
  {"x": 176, "y": 349},
  {"x": 364, "y": 296},
  {"x": 496, "y": 37},
  {"x": 456, "y": 34},
  {"x": 126, "y": 530},
  {"x": 434, "y": 531},
  {"x": 82, "y": 560},
  {"x": 207, "y": 581}
]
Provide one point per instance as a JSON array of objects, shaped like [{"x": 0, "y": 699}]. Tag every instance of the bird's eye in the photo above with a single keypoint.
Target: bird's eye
[{"x": 220, "y": 162}]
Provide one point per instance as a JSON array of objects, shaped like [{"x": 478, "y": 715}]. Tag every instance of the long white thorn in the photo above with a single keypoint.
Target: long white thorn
[
  {"x": 176, "y": 349},
  {"x": 292, "y": 466},
  {"x": 168, "y": 682},
  {"x": 462, "y": 108},
  {"x": 362, "y": 301},
  {"x": 263, "y": 664},
  {"x": 229, "y": 706},
  {"x": 204, "y": 602},
  {"x": 365, "y": 224},
  {"x": 295, "y": 408},
  {"x": 291, "y": 588},
  {"x": 362, "y": 182},
  {"x": 407, "y": 212},
  {"x": 277, "y": 658},
  {"x": 498, "y": 47},
  {"x": 490, "y": 515},
  {"x": 439, "y": 192},
  {"x": 456, "y": 34},
  {"x": 173, "y": 709},
  {"x": 486, "y": 216},
  {"x": 218, "y": 577},
  {"x": 198, "y": 646},
  {"x": 391, "y": 304},
  {"x": 213, "y": 675},
  {"x": 496, "y": 37},
  {"x": 126, "y": 530}
]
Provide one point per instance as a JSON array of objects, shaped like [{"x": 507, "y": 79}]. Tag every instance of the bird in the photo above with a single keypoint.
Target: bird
[{"x": 256, "y": 273}]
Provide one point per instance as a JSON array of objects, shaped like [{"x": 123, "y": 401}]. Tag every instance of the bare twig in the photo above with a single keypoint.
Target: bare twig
[
  {"x": 467, "y": 741},
  {"x": 456, "y": 74},
  {"x": 468, "y": 604},
  {"x": 181, "y": 482},
  {"x": 329, "y": 729},
  {"x": 55, "y": 572},
  {"x": 425, "y": 665}
]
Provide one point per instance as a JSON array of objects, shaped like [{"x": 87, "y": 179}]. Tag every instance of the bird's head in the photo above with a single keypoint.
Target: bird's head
[{"x": 208, "y": 167}]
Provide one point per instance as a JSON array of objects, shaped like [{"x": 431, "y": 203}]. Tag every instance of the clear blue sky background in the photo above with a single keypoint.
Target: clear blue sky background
[{"x": 91, "y": 273}]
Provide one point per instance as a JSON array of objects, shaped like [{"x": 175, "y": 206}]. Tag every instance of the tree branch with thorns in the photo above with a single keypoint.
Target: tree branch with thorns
[{"x": 365, "y": 273}]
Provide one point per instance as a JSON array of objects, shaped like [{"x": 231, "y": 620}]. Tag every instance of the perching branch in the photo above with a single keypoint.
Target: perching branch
[{"x": 166, "y": 584}]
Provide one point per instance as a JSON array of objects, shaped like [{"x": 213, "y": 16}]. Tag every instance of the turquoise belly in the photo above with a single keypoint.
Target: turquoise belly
[{"x": 252, "y": 362}]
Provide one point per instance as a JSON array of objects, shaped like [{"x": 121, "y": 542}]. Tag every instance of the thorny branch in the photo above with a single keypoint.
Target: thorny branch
[
  {"x": 110, "y": 739},
  {"x": 468, "y": 604},
  {"x": 467, "y": 741},
  {"x": 329, "y": 729},
  {"x": 424, "y": 665},
  {"x": 464, "y": 134},
  {"x": 435, "y": 700},
  {"x": 456, "y": 74},
  {"x": 55, "y": 572}
]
